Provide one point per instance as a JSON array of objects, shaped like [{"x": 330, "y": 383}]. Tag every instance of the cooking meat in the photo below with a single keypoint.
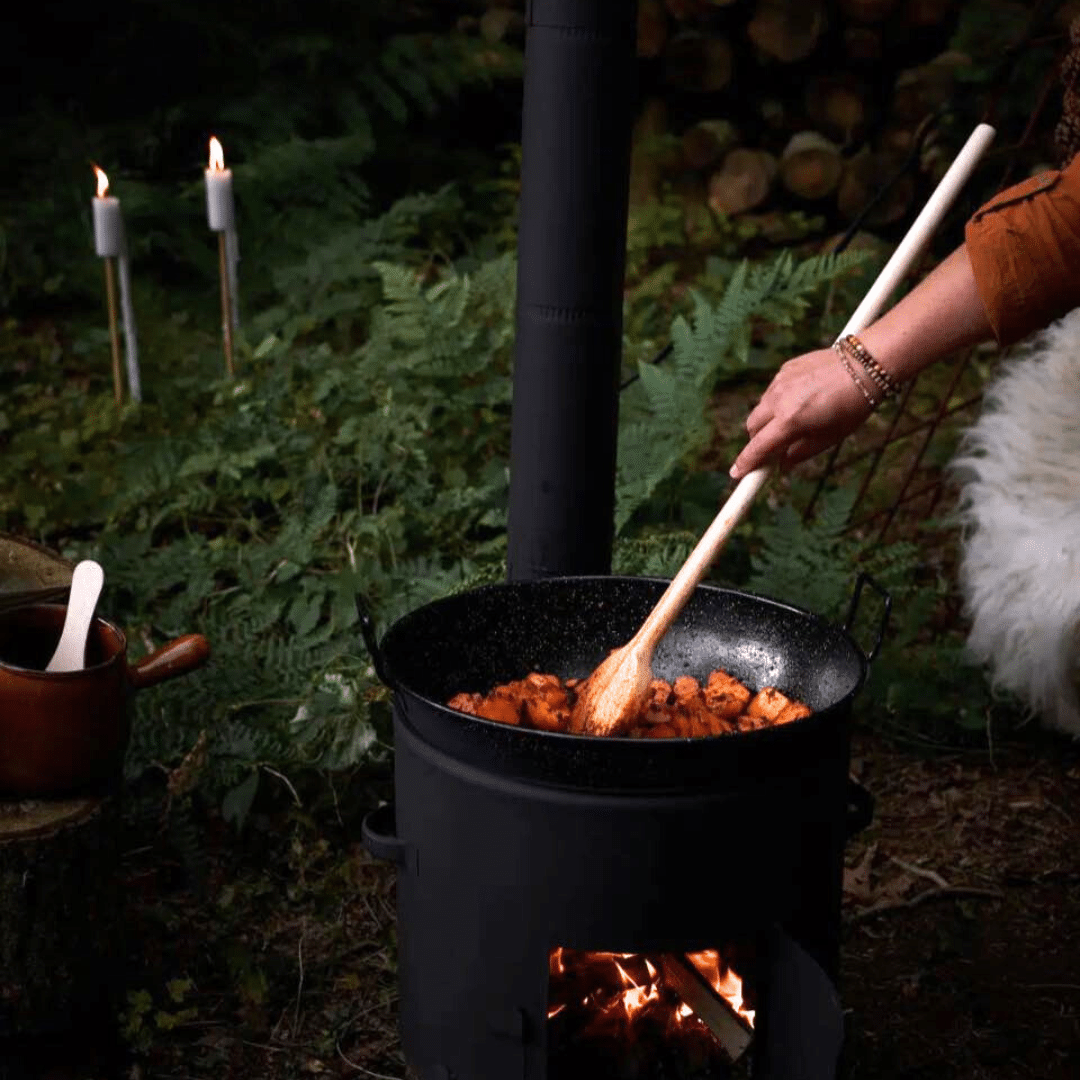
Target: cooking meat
[
  {"x": 681, "y": 710},
  {"x": 725, "y": 696}
]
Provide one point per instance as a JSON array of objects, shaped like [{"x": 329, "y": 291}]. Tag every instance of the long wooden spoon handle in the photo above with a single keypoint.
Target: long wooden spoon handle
[
  {"x": 699, "y": 560},
  {"x": 738, "y": 503}
]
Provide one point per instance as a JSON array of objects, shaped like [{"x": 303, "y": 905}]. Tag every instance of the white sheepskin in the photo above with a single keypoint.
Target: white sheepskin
[{"x": 1019, "y": 466}]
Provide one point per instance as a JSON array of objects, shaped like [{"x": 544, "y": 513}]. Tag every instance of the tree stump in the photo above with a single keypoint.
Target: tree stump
[{"x": 61, "y": 940}]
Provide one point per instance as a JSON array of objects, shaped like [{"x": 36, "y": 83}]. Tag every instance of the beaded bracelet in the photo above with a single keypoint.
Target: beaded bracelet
[
  {"x": 889, "y": 386},
  {"x": 854, "y": 377}
]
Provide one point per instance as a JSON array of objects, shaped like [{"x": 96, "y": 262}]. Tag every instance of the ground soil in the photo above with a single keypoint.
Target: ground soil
[
  {"x": 973, "y": 985},
  {"x": 961, "y": 958}
]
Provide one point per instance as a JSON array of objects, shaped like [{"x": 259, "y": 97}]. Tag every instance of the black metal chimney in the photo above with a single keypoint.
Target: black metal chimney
[{"x": 579, "y": 98}]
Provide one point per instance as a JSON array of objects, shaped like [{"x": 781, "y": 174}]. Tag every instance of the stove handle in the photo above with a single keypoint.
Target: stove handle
[
  {"x": 865, "y": 579},
  {"x": 371, "y": 640},
  {"x": 860, "y": 807},
  {"x": 379, "y": 834}
]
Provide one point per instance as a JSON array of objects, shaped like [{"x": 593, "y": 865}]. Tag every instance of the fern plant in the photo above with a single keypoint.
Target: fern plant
[{"x": 664, "y": 422}]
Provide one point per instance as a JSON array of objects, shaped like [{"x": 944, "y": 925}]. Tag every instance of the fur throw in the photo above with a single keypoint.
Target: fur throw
[{"x": 1019, "y": 467}]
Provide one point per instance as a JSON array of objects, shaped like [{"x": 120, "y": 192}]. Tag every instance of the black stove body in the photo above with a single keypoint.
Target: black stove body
[{"x": 510, "y": 842}]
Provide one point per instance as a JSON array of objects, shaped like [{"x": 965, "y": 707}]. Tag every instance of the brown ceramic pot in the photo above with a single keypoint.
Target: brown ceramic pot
[{"x": 67, "y": 732}]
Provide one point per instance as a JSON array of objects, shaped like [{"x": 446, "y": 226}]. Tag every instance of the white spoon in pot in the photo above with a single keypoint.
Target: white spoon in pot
[{"x": 86, "y": 582}]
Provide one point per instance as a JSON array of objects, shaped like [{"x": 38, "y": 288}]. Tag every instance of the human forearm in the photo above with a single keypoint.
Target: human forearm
[{"x": 943, "y": 313}]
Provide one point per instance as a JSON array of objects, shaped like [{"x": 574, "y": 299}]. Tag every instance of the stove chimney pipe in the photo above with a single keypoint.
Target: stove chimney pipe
[{"x": 580, "y": 66}]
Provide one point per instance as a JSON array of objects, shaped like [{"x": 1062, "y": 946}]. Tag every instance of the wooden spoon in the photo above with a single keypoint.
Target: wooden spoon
[
  {"x": 612, "y": 696},
  {"x": 86, "y": 582}
]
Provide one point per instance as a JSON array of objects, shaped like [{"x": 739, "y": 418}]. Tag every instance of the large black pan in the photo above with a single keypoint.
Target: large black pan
[{"x": 566, "y": 626}]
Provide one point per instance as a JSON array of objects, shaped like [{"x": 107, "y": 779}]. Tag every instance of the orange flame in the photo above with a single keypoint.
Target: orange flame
[
  {"x": 102, "y": 182},
  {"x": 217, "y": 155},
  {"x": 633, "y": 994},
  {"x": 724, "y": 981}
]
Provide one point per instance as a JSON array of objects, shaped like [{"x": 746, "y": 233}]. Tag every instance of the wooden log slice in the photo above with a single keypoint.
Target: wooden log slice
[
  {"x": 810, "y": 166},
  {"x": 862, "y": 44},
  {"x": 787, "y": 30},
  {"x": 837, "y": 104},
  {"x": 743, "y": 182},
  {"x": 865, "y": 175},
  {"x": 920, "y": 90},
  {"x": 61, "y": 943},
  {"x": 706, "y": 142},
  {"x": 700, "y": 63}
]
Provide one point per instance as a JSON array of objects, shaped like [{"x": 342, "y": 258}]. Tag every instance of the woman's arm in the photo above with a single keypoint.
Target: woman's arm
[{"x": 814, "y": 402}]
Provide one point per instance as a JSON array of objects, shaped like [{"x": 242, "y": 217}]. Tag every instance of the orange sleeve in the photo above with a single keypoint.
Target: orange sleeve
[{"x": 1024, "y": 246}]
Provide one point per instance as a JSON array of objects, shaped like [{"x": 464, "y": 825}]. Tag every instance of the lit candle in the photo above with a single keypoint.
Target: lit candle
[
  {"x": 110, "y": 244},
  {"x": 108, "y": 224},
  {"x": 220, "y": 212},
  {"x": 221, "y": 216}
]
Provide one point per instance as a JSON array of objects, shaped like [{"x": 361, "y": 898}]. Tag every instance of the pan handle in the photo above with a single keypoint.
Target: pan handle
[
  {"x": 865, "y": 579},
  {"x": 860, "y": 807},
  {"x": 371, "y": 640},
  {"x": 379, "y": 834}
]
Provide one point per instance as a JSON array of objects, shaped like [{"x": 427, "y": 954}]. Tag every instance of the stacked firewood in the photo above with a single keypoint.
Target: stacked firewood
[{"x": 752, "y": 105}]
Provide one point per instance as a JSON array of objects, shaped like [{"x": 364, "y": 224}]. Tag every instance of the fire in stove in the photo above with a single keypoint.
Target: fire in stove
[{"x": 633, "y": 1015}]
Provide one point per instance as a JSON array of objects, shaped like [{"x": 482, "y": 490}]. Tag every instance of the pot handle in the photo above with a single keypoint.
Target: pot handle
[
  {"x": 371, "y": 640},
  {"x": 865, "y": 579},
  {"x": 860, "y": 807},
  {"x": 176, "y": 658},
  {"x": 379, "y": 835}
]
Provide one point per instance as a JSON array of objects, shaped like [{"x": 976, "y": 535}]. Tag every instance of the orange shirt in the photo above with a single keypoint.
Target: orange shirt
[{"x": 1024, "y": 246}]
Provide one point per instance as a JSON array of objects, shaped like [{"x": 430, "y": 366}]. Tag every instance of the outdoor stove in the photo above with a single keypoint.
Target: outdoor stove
[
  {"x": 518, "y": 849},
  {"x": 573, "y": 907}
]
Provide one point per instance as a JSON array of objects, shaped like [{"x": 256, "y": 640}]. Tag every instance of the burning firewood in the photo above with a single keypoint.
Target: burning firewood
[{"x": 731, "y": 1031}]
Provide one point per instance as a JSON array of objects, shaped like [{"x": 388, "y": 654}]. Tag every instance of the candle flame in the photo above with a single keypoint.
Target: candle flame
[
  {"x": 102, "y": 182},
  {"x": 217, "y": 155}
]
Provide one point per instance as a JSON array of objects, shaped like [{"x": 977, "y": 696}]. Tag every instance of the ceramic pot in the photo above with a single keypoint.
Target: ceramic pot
[{"x": 67, "y": 732}]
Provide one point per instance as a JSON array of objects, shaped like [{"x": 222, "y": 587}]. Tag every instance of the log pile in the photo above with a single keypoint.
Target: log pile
[{"x": 762, "y": 105}]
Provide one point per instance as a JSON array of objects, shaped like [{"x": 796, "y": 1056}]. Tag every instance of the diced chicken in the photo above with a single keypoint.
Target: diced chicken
[
  {"x": 794, "y": 710},
  {"x": 660, "y": 731},
  {"x": 682, "y": 710},
  {"x": 768, "y": 704},
  {"x": 725, "y": 696},
  {"x": 467, "y": 703},
  {"x": 502, "y": 705},
  {"x": 541, "y": 713},
  {"x": 657, "y": 708}
]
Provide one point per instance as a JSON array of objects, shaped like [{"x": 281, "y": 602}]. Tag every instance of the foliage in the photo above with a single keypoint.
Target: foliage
[
  {"x": 257, "y": 511},
  {"x": 301, "y": 114},
  {"x": 664, "y": 424},
  {"x": 921, "y": 677}
]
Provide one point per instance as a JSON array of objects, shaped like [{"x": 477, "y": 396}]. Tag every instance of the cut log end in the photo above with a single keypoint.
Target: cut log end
[
  {"x": 787, "y": 31},
  {"x": 699, "y": 63},
  {"x": 743, "y": 183},
  {"x": 811, "y": 166}
]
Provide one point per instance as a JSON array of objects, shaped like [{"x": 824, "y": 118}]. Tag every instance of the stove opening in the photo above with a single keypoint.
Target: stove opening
[{"x": 638, "y": 1016}]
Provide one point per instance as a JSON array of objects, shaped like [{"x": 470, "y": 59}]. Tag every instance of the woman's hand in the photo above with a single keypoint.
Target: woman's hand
[{"x": 810, "y": 405}]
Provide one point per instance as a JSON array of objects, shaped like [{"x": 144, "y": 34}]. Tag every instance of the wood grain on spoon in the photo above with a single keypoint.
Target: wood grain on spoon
[{"x": 613, "y": 694}]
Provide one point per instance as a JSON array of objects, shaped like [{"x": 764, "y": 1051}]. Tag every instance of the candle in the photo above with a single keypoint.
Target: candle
[
  {"x": 108, "y": 224},
  {"x": 220, "y": 212},
  {"x": 110, "y": 245}
]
